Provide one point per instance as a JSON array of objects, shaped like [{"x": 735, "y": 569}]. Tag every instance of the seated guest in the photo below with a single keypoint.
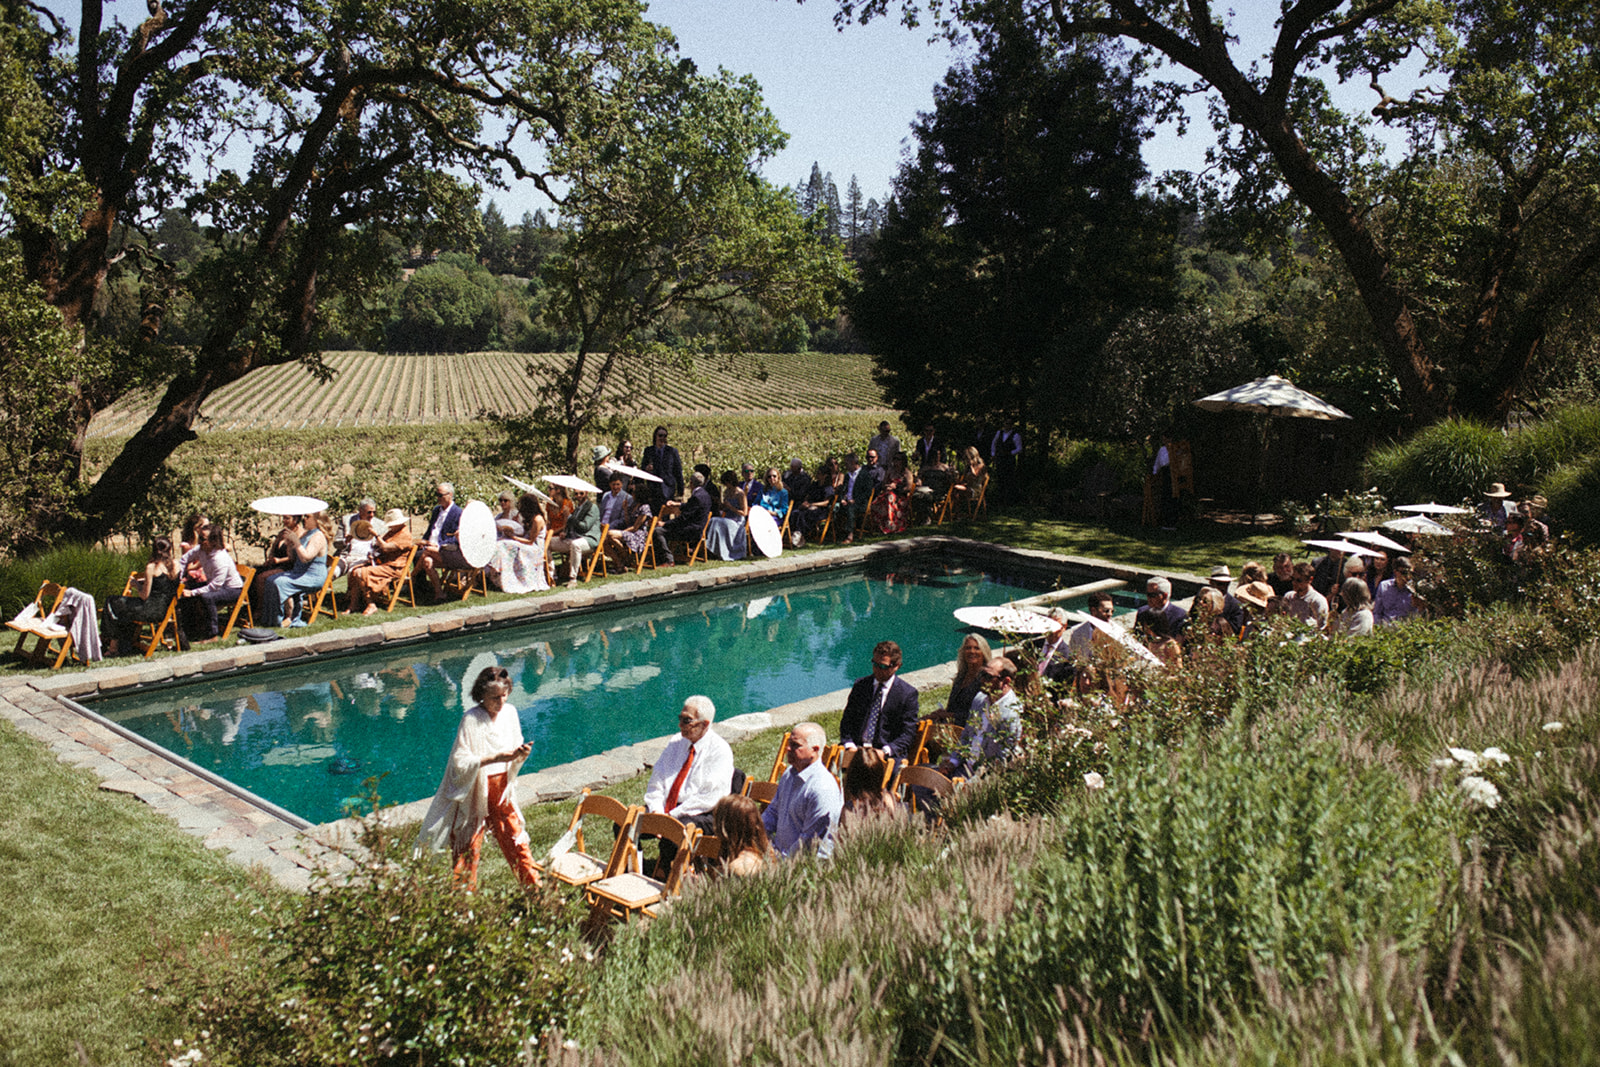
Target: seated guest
[
  {"x": 1303, "y": 603},
  {"x": 367, "y": 509},
  {"x": 507, "y": 523},
  {"x": 814, "y": 507},
  {"x": 441, "y": 545},
  {"x": 1355, "y": 617},
  {"x": 735, "y": 498},
  {"x": 684, "y": 520},
  {"x": 1494, "y": 505},
  {"x": 864, "y": 792},
  {"x": 387, "y": 566},
  {"x": 1055, "y": 655},
  {"x": 559, "y": 509},
  {"x": 775, "y": 497},
  {"x": 1208, "y": 607},
  {"x": 156, "y": 586},
  {"x": 1259, "y": 601},
  {"x": 808, "y": 803},
  {"x": 222, "y": 587},
  {"x": 889, "y": 514},
  {"x": 992, "y": 735},
  {"x": 750, "y": 484},
  {"x": 692, "y": 773},
  {"x": 308, "y": 546},
  {"x": 1081, "y": 640},
  {"x": 1328, "y": 573},
  {"x": 517, "y": 565},
  {"x": 1395, "y": 601},
  {"x": 797, "y": 481},
  {"x": 630, "y": 540},
  {"x": 624, "y": 455},
  {"x": 725, "y": 536},
  {"x": 1160, "y": 618},
  {"x": 1516, "y": 537},
  {"x": 1222, "y": 582},
  {"x": 736, "y": 822},
  {"x": 1534, "y": 531},
  {"x": 965, "y": 685},
  {"x": 580, "y": 535},
  {"x": 1252, "y": 572},
  {"x": 855, "y": 491},
  {"x": 359, "y": 548},
  {"x": 1282, "y": 577},
  {"x": 969, "y": 476},
  {"x": 881, "y": 711},
  {"x": 615, "y": 502}
]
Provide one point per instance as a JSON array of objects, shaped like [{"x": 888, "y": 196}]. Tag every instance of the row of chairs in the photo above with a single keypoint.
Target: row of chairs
[{"x": 907, "y": 777}]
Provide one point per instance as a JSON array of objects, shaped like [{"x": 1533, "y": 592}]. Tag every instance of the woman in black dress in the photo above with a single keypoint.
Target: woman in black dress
[{"x": 156, "y": 587}]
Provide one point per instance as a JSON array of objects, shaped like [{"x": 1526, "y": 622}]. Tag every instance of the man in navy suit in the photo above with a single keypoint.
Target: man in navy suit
[
  {"x": 882, "y": 710},
  {"x": 662, "y": 460},
  {"x": 441, "y": 546}
]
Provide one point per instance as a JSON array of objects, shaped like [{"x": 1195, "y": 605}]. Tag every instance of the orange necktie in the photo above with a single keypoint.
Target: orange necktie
[{"x": 677, "y": 783}]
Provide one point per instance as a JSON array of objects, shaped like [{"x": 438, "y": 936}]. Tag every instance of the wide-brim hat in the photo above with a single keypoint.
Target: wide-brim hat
[
  {"x": 361, "y": 529},
  {"x": 395, "y": 517},
  {"x": 1497, "y": 491},
  {"x": 1221, "y": 571},
  {"x": 599, "y": 452},
  {"x": 1256, "y": 594}
]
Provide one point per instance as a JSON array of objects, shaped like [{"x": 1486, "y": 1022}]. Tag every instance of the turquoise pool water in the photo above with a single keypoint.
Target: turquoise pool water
[{"x": 306, "y": 737}]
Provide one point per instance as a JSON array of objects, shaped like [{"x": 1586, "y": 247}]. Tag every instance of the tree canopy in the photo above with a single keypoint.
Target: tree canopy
[
  {"x": 1017, "y": 239},
  {"x": 317, "y": 138},
  {"x": 1471, "y": 253}
]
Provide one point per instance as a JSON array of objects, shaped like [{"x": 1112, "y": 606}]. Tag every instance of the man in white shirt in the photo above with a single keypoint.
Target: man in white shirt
[
  {"x": 885, "y": 444},
  {"x": 1303, "y": 603},
  {"x": 692, "y": 773}
]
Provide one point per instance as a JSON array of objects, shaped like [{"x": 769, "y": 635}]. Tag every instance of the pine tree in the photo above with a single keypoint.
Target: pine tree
[
  {"x": 830, "y": 205},
  {"x": 494, "y": 251},
  {"x": 813, "y": 193},
  {"x": 854, "y": 218}
]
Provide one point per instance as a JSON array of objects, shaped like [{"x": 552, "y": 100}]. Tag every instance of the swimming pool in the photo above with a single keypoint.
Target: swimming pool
[{"x": 306, "y": 737}]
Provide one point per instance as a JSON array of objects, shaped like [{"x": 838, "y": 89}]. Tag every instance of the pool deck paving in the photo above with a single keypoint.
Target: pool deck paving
[{"x": 256, "y": 833}]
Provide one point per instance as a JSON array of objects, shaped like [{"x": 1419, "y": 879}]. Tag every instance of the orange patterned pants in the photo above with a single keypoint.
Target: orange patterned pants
[{"x": 508, "y": 829}]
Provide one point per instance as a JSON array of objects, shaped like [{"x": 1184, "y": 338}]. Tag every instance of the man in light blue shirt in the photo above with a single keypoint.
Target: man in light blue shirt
[{"x": 807, "y": 805}]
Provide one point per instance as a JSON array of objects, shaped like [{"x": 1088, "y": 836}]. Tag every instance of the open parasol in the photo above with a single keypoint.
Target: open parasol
[
  {"x": 1375, "y": 539},
  {"x": 1434, "y": 509},
  {"x": 765, "y": 533},
  {"x": 538, "y": 494},
  {"x": 289, "y": 505},
  {"x": 1419, "y": 524},
  {"x": 1006, "y": 620},
  {"x": 476, "y": 534},
  {"x": 1349, "y": 548},
  {"x": 1120, "y": 635},
  {"x": 632, "y": 472},
  {"x": 570, "y": 481},
  {"x": 1271, "y": 395}
]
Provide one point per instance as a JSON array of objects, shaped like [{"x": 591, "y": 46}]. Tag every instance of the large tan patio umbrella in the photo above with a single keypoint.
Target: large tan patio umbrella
[{"x": 1271, "y": 395}]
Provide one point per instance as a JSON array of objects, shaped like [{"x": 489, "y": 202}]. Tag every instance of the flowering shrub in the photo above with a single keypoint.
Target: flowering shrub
[{"x": 389, "y": 964}]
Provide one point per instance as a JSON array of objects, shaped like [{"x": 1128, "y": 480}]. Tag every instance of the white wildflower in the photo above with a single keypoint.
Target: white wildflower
[
  {"x": 1467, "y": 758},
  {"x": 1480, "y": 791},
  {"x": 1094, "y": 781},
  {"x": 1444, "y": 764},
  {"x": 1554, "y": 727},
  {"x": 1492, "y": 753}
]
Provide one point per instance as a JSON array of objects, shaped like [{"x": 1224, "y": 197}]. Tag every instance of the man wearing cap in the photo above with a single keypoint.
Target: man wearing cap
[
  {"x": 1221, "y": 579},
  {"x": 1494, "y": 505},
  {"x": 390, "y": 545}
]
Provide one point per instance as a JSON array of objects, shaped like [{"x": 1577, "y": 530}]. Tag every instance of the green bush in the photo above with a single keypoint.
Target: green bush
[
  {"x": 392, "y": 964},
  {"x": 1565, "y": 436},
  {"x": 98, "y": 572},
  {"x": 1170, "y": 890},
  {"x": 1573, "y": 492},
  {"x": 1451, "y": 460}
]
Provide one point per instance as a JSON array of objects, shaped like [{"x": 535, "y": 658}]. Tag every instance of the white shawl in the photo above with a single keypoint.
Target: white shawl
[{"x": 461, "y": 805}]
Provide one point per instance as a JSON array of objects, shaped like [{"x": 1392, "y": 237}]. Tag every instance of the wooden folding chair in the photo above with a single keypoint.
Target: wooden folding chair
[
  {"x": 599, "y": 554},
  {"x": 248, "y": 575},
  {"x": 783, "y": 527},
  {"x": 578, "y": 866},
  {"x": 933, "y": 735},
  {"x": 941, "y": 510},
  {"x": 860, "y": 527},
  {"x": 847, "y": 756},
  {"x": 830, "y": 758},
  {"x": 760, "y": 792},
  {"x": 402, "y": 586},
  {"x": 913, "y": 778},
  {"x": 622, "y": 896},
  {"x": 635, "y": 561},
  {"x": 781, "y": 759},
  {"x": 165, "y": 631},
  {"x": 48, "y": 638},
  {"x": 326, "y": 594},
  {"x": 698, "y": 552},
  {"x": 979, "y": 503},
  {"x": 462, "y": 582}
]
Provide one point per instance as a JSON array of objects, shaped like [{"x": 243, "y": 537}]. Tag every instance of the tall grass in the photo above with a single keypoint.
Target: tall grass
[
  {"x": 96, "y": 571},
  {"x": 1449, "y": 461}
]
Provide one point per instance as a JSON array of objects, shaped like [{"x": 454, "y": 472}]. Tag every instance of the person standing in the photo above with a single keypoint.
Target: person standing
[
  {"x": 476, "y": 793},
  {"x": 886, "y": 445},
  {"x": 662, "y": 460}
]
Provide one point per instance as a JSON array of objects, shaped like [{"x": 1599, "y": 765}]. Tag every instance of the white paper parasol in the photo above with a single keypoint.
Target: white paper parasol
[
  {"x": 538, "y": 494},
  {"x": 1419, "y": 524},
  {"x": 1375, "y": 539},
  {"x": 1434, "y": 509},
  {"x": 1349, "y": 548},
  {"x": 1120, "y": 636},
  {"x": 289, "y": 505},
  {"x": 764, "y": 532},
  {"x": 1273, "y": 396},
  {"x": 476, "y": 533},
  {"x": 632, "y": 472},
  {"x": 569, "y": 481},
  {"x": 1006, "y": 620}
]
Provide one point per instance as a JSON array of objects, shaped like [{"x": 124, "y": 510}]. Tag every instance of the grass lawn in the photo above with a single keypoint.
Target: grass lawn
[{"x": 95, "y": 885}]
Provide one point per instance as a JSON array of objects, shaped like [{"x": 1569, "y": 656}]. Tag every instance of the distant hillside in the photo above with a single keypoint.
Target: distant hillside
[{"x": 370, "y": 389}]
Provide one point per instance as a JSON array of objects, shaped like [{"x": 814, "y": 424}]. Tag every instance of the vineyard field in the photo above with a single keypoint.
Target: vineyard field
[{"x": 372, "y": 389}]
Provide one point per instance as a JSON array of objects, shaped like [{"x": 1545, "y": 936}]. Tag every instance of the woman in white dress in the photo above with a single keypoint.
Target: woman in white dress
[
  {"x": 517, "y": 565},
  {"x": 477, "y": 792}
]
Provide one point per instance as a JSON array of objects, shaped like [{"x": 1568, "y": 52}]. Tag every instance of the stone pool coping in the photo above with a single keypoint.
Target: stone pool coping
[{"x": 253, "y": 831}]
